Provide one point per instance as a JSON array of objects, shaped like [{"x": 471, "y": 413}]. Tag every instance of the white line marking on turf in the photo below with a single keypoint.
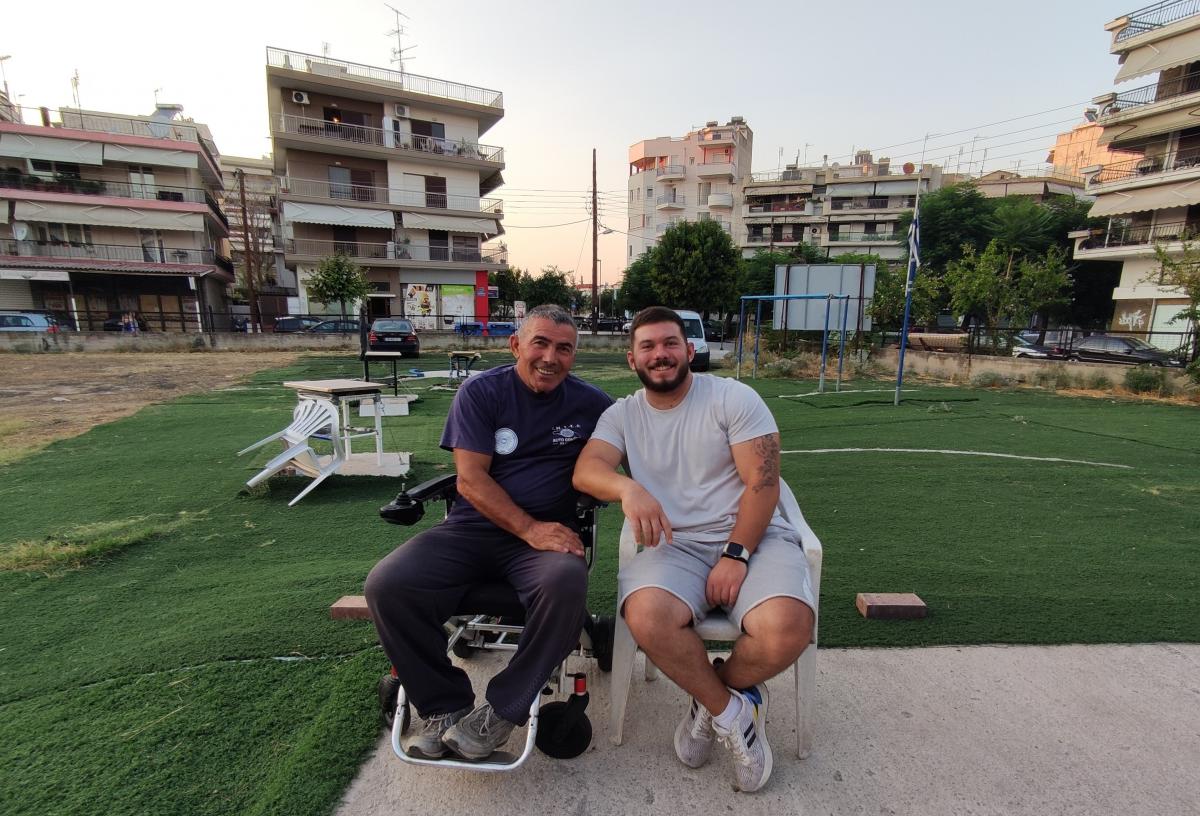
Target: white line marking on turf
[
  {"x": 850, "y": 391},
  {"x": 962, "y": 453}
]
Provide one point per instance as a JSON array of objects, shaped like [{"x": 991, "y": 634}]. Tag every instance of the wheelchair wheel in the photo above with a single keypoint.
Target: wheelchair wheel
[
  {"x": 388, "y": 690},
  {"x": 603, "y": 632},
  {"x": 463, "y": 648},
  {"x": 564, "y": 730}
]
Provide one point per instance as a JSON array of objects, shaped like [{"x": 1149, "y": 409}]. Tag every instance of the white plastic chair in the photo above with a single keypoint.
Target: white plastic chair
[
  {"x": 717, "y": 626},
  {"x": 311, "y": 417}
]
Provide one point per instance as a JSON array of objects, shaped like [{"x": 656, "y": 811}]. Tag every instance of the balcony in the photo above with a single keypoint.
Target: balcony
[
  {"x": 670, "y": 201},
  {"x": 412, "y": 83},
  {"x": 1146, "y": 166},
  {"x": 1160, "y": 91},
  {"x": 1126, "y": 235},
  {"x": 105, "y": 252},
  {"x": 1156, "y": 16},
  {"x": 866, "y": 237},
  {"x": 716, "y": 169},
  {"x": 362, "y": 136},
  {"x": 719, "y": 200},
  {"x": 363, "y": 194},
  {"x": 393, "y": 251},
  {"x": 784, "y": 238},
  {"x": 861, "y": 204},
  {"x": 799, "y": 206},
  {"x": 661, "y": 228},
  {"x": 669, "y": 171}
]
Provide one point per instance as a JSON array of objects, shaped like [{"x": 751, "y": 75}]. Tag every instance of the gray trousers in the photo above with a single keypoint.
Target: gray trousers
[{"x": 413, "y": 591}]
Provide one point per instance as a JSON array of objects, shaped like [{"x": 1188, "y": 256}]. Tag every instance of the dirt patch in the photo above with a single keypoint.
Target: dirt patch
[{"x": 46, "y": 397}]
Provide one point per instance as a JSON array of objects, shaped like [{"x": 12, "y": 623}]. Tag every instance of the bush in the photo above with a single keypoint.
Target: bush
[
  {"x": 990, "y": 379},
  {"x": 1099, "y": 382},
  {"x": 1193, "y": 371},
  {"x": 1146, "y": 379}
]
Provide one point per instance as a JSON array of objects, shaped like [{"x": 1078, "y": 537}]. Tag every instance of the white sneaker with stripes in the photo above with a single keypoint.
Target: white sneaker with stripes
[{"x": 747, "y": 740}]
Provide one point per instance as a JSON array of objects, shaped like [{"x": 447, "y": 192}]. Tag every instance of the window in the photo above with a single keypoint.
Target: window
[
  {"x": 340, "y": 183},
  {"x": 465, "y": 248},
  {"x": 429, "y": 136},
  {"x": 435, "y": 192},
  {"x": 345, "y": 241},
  {"x": 49, "y": 169},
  {"x": 439, "y": 245},
  {"x": 73, "y": 234}
]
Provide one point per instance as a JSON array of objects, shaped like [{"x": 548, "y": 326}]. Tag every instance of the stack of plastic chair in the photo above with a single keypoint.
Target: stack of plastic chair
[{"x": 311, "y": 418}]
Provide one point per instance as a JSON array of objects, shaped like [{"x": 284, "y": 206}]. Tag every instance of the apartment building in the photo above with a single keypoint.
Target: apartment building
[
  {"x": 697, "y": 177},
  {"x": 839, "y": 208},
  {"x": 1038, "y": 187},
  {"x": 102, "y": 214},
  {"x": 1080, "y": 147},
  {"x": 387, "y": 168},
  {"x": 1152, "y": 199},
  {"x": 275, "y": 283}
]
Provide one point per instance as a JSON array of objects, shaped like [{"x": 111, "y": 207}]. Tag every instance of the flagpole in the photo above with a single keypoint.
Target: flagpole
[{"x": 914, "y": 245}]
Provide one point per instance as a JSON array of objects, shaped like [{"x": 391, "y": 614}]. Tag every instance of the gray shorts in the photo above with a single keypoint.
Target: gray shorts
[{"x": 778, "y": 569}]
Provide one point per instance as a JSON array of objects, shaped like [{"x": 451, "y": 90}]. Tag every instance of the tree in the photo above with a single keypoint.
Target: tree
[
  {"x": 990, "y": 286},
  {"x": 508, "y": 282},
  {"x": 951, "y": 217},
  {"x": 338, "y": 279},
  {"x": 695, "y": 266},
  {"x": 1022, "y": 226},
  {"x": 251, "y": 242},
  {"x": 887, "y": 304},
  {"x": 756, "y": 275},
  {"x": 550, "y": 286},
  {"x": 636, "y": 291}
]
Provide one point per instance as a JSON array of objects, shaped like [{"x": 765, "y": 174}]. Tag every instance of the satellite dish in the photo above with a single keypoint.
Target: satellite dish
[{"x": 909, "y": 167}]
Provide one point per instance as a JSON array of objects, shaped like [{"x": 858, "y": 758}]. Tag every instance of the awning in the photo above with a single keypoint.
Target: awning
[
  {"x": 1161, "y": 197},
  {"x": 1152, "y": 125},
  {"x": 99, "y": 216},
  {"x": 1158, "y": 56},
  {"x": 381, "y": 294},
  {"x": 450, "y": 223},
  {"x": 35, "y": 274},
  {"x": 24, "y": 146},
  {"x": 862, "y": 188},
  {"x": 778, "y": 189},
  {"x": 896, "y": 187},
  {"x": 150, "y": 155},
  {"x": 3, "y": 211},
  {"x": 338, "y": 216}
]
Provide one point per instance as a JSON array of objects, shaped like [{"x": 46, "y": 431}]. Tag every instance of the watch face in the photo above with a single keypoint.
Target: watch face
[{"x": 735, "y": 551}]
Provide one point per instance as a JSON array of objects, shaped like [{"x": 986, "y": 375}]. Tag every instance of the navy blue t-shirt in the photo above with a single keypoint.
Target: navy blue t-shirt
[{"x": 534, "y": 439}]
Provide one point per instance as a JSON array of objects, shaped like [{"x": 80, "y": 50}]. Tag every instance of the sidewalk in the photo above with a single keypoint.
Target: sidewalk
[{"x": 1042, "y": 731}]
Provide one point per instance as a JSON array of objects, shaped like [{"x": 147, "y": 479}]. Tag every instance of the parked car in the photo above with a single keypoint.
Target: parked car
[
  {"x": 1026, "y": 348},
  {"x": 714, "y": 331},
  {"x": 335, "y": 327},
  {"x": 1101, "y": 348},
  {"x": 693, "y": 330},
  {"x": 607, "y": 324},
  {"x": 27, "y": 322},
  {"x": 394, "y": 334},
  {"x": 290, "y": 325},
  {"x": 116, "y": 322}
]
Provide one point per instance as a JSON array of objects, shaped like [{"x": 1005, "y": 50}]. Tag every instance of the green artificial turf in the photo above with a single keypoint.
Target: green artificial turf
[{"x": 165, "y": 642}]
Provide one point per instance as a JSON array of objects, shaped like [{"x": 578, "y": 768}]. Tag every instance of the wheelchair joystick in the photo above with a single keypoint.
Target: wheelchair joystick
[{"x": 565, "y": 731}]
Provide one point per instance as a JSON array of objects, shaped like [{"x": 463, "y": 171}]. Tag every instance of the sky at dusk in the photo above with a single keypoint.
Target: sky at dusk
[{"x": 811, "y": 79}]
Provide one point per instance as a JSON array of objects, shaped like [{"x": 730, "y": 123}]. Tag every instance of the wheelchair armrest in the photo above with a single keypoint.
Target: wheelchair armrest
[
  {"x": 586, "y": 503},
  {"x": 439, "y": 487}
]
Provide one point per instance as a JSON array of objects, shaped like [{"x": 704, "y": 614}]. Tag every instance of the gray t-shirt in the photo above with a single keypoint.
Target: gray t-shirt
[{"x": 682, "y": 455}]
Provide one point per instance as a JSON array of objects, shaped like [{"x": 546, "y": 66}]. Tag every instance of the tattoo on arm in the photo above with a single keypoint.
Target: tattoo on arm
[{"x": 767, "y": 448}]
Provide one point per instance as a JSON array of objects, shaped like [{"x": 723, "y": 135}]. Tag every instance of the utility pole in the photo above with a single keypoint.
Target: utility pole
[
  {"x": 595, "y": 245},
  {"x": 249, "y": 259}
]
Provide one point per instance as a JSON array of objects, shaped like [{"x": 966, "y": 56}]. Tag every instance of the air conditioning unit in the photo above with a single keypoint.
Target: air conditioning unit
[
  {"x": 300, "y": 97},
  {"x": 815, "y": 230},
  {"x": 401, "y": 111}
]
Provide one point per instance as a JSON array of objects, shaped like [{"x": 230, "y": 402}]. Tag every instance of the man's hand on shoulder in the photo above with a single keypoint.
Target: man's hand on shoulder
[
  {"x": 553, "y": 537},
  {"x": 725, "y": 582}
]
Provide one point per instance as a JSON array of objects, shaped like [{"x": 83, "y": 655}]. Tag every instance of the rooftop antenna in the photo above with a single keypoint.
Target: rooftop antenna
[
  {"x": 398, "y": 53},
  {"x": 157, "y": 91},
  {"x": 75, "y": 89},
  {"x": 325, "y": 50}
]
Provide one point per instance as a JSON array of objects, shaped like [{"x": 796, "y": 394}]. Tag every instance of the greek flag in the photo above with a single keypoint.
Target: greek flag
[{"x": 914, "y": 240}]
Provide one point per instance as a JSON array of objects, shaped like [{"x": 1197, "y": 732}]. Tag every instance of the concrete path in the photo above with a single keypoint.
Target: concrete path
[{"x": 1043, "y": 731}]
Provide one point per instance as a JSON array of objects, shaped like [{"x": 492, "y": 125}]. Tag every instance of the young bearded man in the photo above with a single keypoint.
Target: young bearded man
[
  {"x": 702, "y": 454},
  {"x": 515, "y": 432}
]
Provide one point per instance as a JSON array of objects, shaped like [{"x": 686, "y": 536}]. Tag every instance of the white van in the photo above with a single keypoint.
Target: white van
[{"x": 693, "y": 330}]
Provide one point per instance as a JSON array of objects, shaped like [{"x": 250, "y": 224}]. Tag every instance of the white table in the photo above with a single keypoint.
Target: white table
[{"x": 342, "y": 393}]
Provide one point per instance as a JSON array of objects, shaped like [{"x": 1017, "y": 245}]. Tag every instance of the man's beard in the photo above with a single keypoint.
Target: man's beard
[{"x": 663, "y": 387}]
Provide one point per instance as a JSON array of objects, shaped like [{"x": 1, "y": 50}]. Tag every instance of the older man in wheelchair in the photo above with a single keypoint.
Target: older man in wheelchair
[{"x": 515, "y": 432}]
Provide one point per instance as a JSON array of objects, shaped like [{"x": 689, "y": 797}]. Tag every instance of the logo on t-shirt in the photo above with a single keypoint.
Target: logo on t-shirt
[
  {"x": 506, "y": 441},
  {"x": 566, "y": 434}
]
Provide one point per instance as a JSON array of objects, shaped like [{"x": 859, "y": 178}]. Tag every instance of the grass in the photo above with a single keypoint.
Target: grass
[{"x": 165, "y": 645}]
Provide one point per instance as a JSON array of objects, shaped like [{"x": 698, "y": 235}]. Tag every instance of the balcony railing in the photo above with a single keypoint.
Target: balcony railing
[
  {"x": 866, "y": 237},
  {"x": 661, "y": 228},
  {"x": 1147, "y": 166},
  {"x": 783, "y": 175},
  {"x": 867, "y": 204},
  {"x": 669, "y": 170},
  {"x": 784, "y": 238},
  {"x": 671, "y": 198},
  {"x": 315, "y": 188},
  {"x": 105, "y": 252},
  {"x": 123, "y": 125},
  {"x": 1119, "y": 235},
  {"x": 413, "y": 83},
  {"x": 378, "y": 137},
  {"x": 116, "y": 189},
  {"x": 1157, "y": 16},
  {"x": 1158, "y": 92},
  {"x": 393, "y": 251},
  {"x": 778, "y": 206}
]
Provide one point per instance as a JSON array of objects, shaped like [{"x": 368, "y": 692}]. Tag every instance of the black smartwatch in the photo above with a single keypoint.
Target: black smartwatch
[{"x": 737, "y": 552}]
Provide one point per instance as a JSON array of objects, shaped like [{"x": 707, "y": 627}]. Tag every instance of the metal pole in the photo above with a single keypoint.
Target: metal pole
[
  {"x": 824, "y": 345},
  {"x": 741, "y": 335},
  {"x": 757, "y": 334},
  {"x": 595, "y": 240},
  {"x": 912, "y": 278},
  {"x": 842, "y": 344}
]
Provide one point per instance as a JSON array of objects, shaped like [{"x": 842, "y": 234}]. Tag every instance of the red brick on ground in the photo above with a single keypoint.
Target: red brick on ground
[
  {"x": 890, "y": 605},
  {"x": 350, "y": 607}
]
